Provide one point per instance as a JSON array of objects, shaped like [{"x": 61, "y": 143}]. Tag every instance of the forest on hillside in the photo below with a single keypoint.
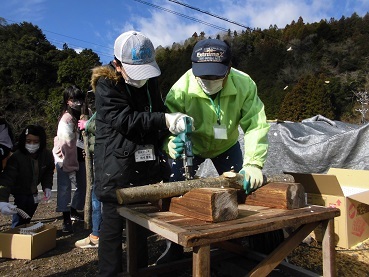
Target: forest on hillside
[{"x": 301, "y": 70}]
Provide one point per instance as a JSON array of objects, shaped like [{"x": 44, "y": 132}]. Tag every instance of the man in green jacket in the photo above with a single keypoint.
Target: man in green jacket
[{"x": 219, "y": 98}]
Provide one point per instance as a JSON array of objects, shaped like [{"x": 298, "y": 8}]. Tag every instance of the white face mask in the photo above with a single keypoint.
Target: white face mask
[
  {"x": 32, "y": 148},
  {"x": 136, "y": 83},
  {"x": 210, "y": 87}
]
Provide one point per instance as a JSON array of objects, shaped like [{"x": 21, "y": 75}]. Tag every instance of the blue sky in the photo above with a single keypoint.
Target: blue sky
[{"x": 95, "y": 24}]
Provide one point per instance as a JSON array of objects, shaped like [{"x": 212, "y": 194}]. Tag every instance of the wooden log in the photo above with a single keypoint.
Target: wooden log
[
  {"x": 89, "y": 179},
  {"x": 208, "y": 204},
  {"x": 279, "y": 196},
  {"x": 155, "y": 192}
]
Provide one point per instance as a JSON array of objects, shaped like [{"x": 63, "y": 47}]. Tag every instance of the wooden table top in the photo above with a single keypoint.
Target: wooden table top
[{"x": 251, "y": 220}]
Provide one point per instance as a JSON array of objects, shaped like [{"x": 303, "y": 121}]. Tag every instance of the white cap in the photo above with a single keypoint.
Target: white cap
[{"x": 137, "y": 55}]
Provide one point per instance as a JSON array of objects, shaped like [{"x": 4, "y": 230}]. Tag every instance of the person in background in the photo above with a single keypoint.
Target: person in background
[
  {"x": 220, "y": 98},
  {"x": 92, "y": 241},
  {"x": 6, "y": 142},
  {"x": 70, "y": 163},
  {"x": 130, "y": 127},
  {"x": 30, "y": 165}
]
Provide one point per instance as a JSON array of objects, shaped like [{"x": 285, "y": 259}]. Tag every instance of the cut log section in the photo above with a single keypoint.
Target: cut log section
[
  {"x": 208, "y": 204},
  {"x": 279, "y": 196}
]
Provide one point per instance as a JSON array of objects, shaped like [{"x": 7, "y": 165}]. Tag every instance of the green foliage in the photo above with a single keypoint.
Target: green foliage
[
  {"x": 326, "y": 62},
  {"x": 309, "y": 97},
  {"x": 33, "y": 73}
]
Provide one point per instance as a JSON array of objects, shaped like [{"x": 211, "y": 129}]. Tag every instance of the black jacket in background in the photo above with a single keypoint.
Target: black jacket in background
[{"x": 18, "y": 176}]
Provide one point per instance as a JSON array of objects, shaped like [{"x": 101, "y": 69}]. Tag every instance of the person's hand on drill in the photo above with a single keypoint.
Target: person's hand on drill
[
  {"x": 253, "y": 178},
  {"x": 176, "y": 123},
  {"x": 175, "y": 147}
]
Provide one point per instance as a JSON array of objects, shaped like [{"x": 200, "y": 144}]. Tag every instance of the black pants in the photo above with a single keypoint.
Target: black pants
[
  {"x": 27, "y": 204},
  {"x": 110, "y": 242}
]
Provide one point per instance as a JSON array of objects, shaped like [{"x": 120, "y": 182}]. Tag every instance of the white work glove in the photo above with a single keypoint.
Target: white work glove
[
  {"x": 47, "y": 194},
  {"x": 175, "y": 122},
  {"x": 7, "y": 208},
  {"x": 253, "y": 178},
  {"x": 73, "y": 178}
]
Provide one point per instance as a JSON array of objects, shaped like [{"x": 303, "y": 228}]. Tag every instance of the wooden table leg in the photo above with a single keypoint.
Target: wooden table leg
[
  {"x": 201, "y": 261},
  {"x": 132, "y": 254},
  {"x": 286, "y": 247},
  {"x": 328, "y": 249}
]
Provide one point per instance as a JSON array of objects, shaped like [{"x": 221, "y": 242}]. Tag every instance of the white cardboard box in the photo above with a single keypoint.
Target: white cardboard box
[
  {"x": 347, "y": 190},
  {"x": 19, "y": 246}
]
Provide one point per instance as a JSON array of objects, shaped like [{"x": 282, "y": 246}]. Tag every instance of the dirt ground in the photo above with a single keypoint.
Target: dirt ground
[{"x": 66, "y": 260}]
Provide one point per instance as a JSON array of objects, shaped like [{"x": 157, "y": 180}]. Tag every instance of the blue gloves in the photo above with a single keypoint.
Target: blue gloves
[
  {"x": 175, "y": 147},
  {"x": 253, "y": 178}
]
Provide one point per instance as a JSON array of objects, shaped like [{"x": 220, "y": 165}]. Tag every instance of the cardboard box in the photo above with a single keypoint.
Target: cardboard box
[
  {"x": 347, "y": 190},
  {"x": 18, "y": 246}
]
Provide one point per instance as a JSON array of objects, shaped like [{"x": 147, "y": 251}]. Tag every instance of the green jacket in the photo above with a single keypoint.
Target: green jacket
[
  {"x": 90, "y": 129},
  {"x": 238, "y": 104}
]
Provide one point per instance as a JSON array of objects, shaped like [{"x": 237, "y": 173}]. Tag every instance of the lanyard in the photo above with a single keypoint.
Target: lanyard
[
  {"x": 147, "y": 92},
  {"x": 217, "y": 109}
]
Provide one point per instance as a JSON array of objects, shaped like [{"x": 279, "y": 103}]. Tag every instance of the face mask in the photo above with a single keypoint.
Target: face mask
[
  {"x": 75, "y": 105},
  {"x": 136, "y": 83},
  {"x": 210, "y": 87},
  {"x": 32, "y": 148}
]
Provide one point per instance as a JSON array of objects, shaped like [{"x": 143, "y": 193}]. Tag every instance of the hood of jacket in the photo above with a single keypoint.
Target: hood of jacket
[{"x": 106, "y": 71}]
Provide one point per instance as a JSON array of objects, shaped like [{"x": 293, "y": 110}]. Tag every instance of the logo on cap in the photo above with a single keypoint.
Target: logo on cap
[
  {"x": 142, "y": 55},
  {"x": 210, "y": 55}
]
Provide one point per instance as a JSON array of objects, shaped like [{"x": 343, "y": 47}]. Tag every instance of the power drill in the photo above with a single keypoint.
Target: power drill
[{"x": 187, "y": 155}]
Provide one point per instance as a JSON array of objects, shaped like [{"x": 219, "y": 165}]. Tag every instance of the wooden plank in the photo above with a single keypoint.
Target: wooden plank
[
  {"x": 328, "y": 249},
  {"x": 279, "y": 196},
  {"x": 201, "y": 261},
  {"x": 212, "y": 234},
  {"x": 162, "y": 228},
  {"x": 208, "y": 204},
  {"x": 132, "y": 254}
]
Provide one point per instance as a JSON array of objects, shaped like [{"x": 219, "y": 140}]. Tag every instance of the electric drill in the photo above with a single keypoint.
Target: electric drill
[{"x": 187, "y": 155}]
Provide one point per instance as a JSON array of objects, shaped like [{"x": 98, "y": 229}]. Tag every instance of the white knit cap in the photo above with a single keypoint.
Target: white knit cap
[{"x": 137, "y": 54}]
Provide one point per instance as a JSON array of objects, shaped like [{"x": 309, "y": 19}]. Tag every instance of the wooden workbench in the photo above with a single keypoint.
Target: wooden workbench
[{"x": 251, "y": 220}]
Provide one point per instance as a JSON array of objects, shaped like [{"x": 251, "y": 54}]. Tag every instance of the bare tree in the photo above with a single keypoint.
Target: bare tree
[{"x": 363, "y": 99}]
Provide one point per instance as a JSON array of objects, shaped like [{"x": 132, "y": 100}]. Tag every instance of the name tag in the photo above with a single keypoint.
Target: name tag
[
  {"x": 220, "y": 131},
  {"x": 145, "y": 153}
]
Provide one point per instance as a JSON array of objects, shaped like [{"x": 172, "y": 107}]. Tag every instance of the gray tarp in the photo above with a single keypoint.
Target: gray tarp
[
  {"x": 312, "y": 146},
  {"x": 316, "y": 144}
]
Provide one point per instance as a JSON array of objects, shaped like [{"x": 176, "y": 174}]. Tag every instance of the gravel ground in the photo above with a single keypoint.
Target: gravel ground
[{"x": 66, "y": 260}]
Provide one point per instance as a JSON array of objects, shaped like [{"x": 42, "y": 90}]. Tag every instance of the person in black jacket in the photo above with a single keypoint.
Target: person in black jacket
[
  {"x": 26, "y": 168},
  {"x": 130, "y": 126}
]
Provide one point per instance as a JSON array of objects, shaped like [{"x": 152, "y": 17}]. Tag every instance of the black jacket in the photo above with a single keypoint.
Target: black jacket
[
  {"x": 20, "y": 176},
  {"x": 123, "y": 122}
]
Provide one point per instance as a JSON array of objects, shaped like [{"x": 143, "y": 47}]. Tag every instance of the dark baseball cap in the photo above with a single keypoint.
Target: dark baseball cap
[{"x": 210, "y": 57}]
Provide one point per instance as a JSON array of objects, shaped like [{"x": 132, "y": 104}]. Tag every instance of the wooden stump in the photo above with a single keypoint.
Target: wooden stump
[
  {"x": 208, "y": 204},
  {"x": 279, "y": 196}
]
